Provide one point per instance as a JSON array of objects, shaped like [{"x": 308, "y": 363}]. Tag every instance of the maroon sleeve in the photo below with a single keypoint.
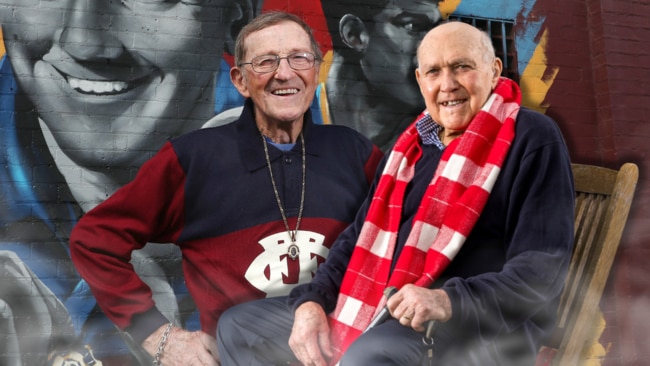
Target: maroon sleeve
[{"x": 149, "y": 209}]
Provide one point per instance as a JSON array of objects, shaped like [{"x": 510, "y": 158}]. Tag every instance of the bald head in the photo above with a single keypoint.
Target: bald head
[
  {"x": 462, "y": 33},
  {"x": 457, "y": 71}
]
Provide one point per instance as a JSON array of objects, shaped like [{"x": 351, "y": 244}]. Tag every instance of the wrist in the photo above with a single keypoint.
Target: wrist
[
  {"x": 151, "y": 342},
  {"x": 145, "y": 324},
  {"x": 160, "y": 348}
]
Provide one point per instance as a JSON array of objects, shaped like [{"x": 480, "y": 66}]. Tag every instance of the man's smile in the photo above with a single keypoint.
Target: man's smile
[
  {"x": 453, "y": 103},
  {"x": 289, "y": 91}
]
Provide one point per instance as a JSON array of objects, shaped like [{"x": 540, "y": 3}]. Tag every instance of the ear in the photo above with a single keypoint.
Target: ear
[
  {"x": 353, "y": 32},
  {"x": 497, "y": 67},
  {"x": 241, "y": 12},
  {"x": 238, "y": 79}
]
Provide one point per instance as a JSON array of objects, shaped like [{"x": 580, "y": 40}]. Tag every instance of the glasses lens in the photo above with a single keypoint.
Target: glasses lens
[
  {"x": 301, "y": 60},
  {"x": 265, "y": 63},
  {"x": 270, "y": 63}
]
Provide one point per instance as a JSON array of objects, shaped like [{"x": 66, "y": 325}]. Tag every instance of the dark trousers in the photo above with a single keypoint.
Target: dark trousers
[{"x": 256, "y": 333}]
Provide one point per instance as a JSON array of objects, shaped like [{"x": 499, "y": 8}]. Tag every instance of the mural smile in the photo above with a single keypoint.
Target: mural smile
[
  {"x": 97, "y": 87},
  {"x": 101, "y": 79}
]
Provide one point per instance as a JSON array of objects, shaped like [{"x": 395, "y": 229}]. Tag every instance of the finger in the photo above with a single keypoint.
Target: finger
[
  {"x": 298, "y": 350},
  {"x": 405, "y": 321},
  {"x": 206, "y": 359},
  {"x": 210, "y": 344},
  {"x": 401, "y": 306},
  {"x": 314, "y": 355},
  {"x": 325, "y": 345}
]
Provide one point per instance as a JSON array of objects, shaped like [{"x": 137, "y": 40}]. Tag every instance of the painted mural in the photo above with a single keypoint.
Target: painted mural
[{"x": 89, "y": 90}]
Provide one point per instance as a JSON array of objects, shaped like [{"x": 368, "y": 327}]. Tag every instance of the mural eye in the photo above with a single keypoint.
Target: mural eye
[
  {"x": 413, "y": 23},
  {"x": 147, "y": 2},
  {"x": 144, "y": 1},
  {"x": 166, "y": 2}
]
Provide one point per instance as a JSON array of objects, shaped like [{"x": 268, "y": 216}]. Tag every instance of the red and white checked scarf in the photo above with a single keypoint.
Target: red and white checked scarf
[{"x": 449, "y": 209}]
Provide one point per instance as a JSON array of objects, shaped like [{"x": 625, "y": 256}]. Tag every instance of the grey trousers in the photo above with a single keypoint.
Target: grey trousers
[{"x": 256, "y": 333}]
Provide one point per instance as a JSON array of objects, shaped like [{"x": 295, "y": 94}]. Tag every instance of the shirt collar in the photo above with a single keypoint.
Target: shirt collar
[
  {"x": 250, "y": 142},
  {"x": 428, "y": 130}
]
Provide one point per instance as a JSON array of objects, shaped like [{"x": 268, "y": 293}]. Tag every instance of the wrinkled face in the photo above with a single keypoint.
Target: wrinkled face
[
  {"x": 284, "y": 95},
  {"x": 112, "y": 80},
  {"x": 390, "y": 58},
  {"x": 456, "y": 74}
]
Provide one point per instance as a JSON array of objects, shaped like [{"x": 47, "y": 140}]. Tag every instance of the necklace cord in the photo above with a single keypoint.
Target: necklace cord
[{"x": 292, "y": 233}]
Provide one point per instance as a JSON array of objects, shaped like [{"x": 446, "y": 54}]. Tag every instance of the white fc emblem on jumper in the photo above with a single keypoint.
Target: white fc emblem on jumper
[{"x": 269, "y": 271}]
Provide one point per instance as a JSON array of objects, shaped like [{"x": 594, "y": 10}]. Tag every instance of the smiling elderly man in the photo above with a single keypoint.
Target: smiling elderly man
[{"x": 243, "y": 201}]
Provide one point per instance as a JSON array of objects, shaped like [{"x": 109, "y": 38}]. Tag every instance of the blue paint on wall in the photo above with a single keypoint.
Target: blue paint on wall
[{"x": 528, "y": 26}]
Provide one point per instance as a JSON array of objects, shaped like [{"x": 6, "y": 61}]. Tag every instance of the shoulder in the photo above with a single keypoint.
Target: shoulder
[
  {"x": 538, "y": 140},
  {"x": 340, "y": 141},
  {"x": 533, "y": 126},
  {"x": 341, "y": 133},
  {"x": 530, "y": 119},
  {"x": 212, "y": 136}
]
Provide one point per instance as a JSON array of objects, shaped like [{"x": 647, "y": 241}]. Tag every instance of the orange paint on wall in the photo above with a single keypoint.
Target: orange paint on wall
[{"x": 447, "y": 7}]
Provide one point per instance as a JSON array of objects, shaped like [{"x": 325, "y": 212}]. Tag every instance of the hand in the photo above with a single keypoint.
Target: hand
[
  {"x": 184, "y": 347},
  {"x": 310, "y": 336},
  {"x": 413, "y": 306}
]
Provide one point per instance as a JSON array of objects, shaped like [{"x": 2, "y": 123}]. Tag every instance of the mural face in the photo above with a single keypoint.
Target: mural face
[
  {"x": 90, "y": 89},
  {"x": 371, "y": 85},
  {"x": 119, "y": 77},
  {"x": 388, "y": 62}
]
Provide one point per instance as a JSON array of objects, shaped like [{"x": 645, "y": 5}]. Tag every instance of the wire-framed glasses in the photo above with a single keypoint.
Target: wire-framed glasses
[{"x": 269, "y": 63}]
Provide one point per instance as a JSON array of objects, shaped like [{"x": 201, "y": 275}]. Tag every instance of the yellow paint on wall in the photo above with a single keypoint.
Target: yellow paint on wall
[
  {"x": 536, "y": 80},
  {"x": 2, "y": 45},
  {"x": 447, "y": 7},
  {"x": 325, "y": 66}
]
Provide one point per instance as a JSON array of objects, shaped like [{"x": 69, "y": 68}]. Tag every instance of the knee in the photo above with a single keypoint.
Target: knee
[
  {"x": 363, "y": 352},
  {"x": 228, "y": 328},
  {"x": 387, "y": 345}
]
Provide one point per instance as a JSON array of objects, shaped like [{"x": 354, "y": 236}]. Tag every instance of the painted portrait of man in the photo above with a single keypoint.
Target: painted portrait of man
[
  {"x": 90, "y": 90},
  {"x": 371, "y": 84}
]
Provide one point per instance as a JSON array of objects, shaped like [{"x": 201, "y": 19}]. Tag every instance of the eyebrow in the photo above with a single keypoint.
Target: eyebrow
[
  {"x": 463, "y": 60},
  {"x": 293, "y": 50}
]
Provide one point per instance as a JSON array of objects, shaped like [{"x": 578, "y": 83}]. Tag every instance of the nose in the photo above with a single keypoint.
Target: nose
[
  {"x": 284, "y": 70},
  {"x": 87, "y": 35},
  {"x": 448, "y": 81}
]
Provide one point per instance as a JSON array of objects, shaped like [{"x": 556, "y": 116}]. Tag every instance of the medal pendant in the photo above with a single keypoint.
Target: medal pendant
[{"x": 293, "y": 251}]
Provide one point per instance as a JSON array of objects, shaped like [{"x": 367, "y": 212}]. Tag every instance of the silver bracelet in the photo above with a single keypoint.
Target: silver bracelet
[{"x": 161, "y": 345}]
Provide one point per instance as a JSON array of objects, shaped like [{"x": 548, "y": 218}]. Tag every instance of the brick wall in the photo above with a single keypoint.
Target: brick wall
[{"x": 601, "y": 98}]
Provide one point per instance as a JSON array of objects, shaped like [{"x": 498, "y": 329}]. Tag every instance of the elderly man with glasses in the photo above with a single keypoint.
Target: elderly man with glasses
[{"x": 243, "y": 201}]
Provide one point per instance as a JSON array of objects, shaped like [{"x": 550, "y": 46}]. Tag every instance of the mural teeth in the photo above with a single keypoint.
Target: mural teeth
[{"x": 97, "y": 87}]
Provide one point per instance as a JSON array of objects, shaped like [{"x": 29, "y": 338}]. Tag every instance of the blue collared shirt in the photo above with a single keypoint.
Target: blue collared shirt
[{"x": 428, "y": 130}]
